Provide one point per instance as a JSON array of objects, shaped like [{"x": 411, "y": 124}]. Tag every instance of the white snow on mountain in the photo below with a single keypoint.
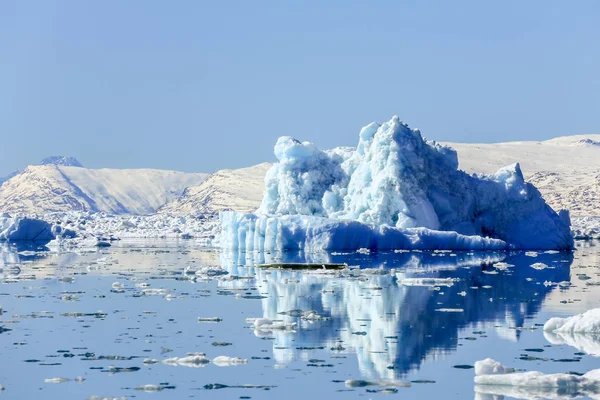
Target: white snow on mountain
[
  {"x": 51, "y": 188},
  {"x": 230, "y": 189},
  {"x": 65, "y": 161}
]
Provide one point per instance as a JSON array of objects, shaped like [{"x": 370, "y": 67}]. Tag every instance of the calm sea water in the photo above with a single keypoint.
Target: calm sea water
[{"x": 65, "y": 316}]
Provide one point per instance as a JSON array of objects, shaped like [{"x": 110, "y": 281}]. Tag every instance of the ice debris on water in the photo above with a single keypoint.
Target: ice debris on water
[
  {"x": 448, "y": 282},
  {"x": 358, "y": 383},
  {"x": 492, "y": 377},
  {"x": 266, "y": 325},
  {"x": 194, "y": 360},
  {"x": 56, "y": 380},
  {"x": 154, "y": 292},
  {"x": 224, "y": 361}
]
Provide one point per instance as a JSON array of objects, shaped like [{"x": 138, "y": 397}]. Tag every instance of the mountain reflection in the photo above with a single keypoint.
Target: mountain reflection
[{"x": 393, "y": 327}]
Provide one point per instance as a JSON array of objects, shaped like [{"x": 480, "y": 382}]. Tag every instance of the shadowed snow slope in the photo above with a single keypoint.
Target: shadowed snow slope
[
  {"x": 377, "y": 194},
  {"x": 52, "y": 188},
  {"x": 230, "y": 189}
]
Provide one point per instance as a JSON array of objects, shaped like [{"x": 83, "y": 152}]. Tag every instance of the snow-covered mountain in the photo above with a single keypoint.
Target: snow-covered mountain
[
  {"x": 237, "y": 189},
  {"x": 57, "y": 188},
  {"x": 566, "y": 169},
  {"x": 61, "y": 160},
  {"x": 52, "y": 160}
]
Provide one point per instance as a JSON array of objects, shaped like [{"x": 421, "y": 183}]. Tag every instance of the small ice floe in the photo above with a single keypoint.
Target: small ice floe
[
  {"x": 502, "y": 266},
  {"x": 588, "y": 322},
  {"x": 210, "y": 319},
  {"x": 357, "y": 383},
  {"x": 142, "y": 285},
  {"x": 363, "y": 251},
  {"x": 193, "y": 360},
  {"x": 531, "y": 253},
  {"x": 105, "y": 398},
  {"x": 150, "y": 361},
  {"x": 450, "y": 310},
  {"x": 155, "y": 292},
  {"x": 494, "y": 378},
  {"x": 312, "y": 316},
  {"x": 373, "y": 271},
  {"x": 539, "y": 266},
  {"x": 66, "y": 279},
  {"x": 427, "y": 282},
  {"x": 56, "y": 380},
  {"x": 210, "y": 271},
  {"x": 306, "y": 315},
  {"x": 268, "y": 325},
  {"x": 153, "y": 388},
  {"x": 224, "y": 361},
  {"x": 117, "y": 285}
]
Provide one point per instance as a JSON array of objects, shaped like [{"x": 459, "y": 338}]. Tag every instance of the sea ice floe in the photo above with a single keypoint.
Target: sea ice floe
[
  {"x": 194, "y": 360},
  {"x": 267, "y": 325},
  {"x": 492, "y": 377},
  {"x": 588, "y": 322},
  {"x": 224, "y": 361}
]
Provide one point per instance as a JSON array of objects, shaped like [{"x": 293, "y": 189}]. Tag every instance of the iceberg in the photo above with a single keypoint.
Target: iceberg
[
  {"x": 395, "y": 190},
  {"x": 24, "y": 229}
]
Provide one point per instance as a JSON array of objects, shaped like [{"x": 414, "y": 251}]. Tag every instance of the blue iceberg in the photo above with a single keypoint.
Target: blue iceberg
[{"x": 395, "y": 190}]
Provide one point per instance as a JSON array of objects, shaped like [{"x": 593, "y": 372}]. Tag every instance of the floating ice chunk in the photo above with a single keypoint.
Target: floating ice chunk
[
  {"x": 117, "y": 285},
  {"x": 539, "y": 266},
  {"x": 502, "y": 266},
  {"x": 448, "y": 282},
  {"x": 193, "y": 360},
  {"x": 155, "y": 292},
  {"x": 588, "y": 322},
  {"x": 491, "y": 367},
  {"x": 490, "y": 372},
  {"x": 356, "y": 383},
  {"x": 266, "y": 325},
  {"x": 224, "y": 361},
  {"x": 105, "y": 398},
  {"x": 56, "y": 380},
  {"x": 151, "y": 388},
  {"x": 210, "y": 271}
]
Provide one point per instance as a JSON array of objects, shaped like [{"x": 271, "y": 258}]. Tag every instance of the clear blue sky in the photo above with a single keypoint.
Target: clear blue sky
[{"x": 204, "y": 85}]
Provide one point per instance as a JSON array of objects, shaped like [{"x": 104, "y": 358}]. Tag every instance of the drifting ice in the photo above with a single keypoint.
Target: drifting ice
[
  {"x": 24, "y": 229},
  {"x": 396, "y": 190},
  {"x": 492, "y": 377}
]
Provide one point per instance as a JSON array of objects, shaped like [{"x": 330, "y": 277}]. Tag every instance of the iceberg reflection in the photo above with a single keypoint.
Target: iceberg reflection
[{"x": 395, "y": 310}]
